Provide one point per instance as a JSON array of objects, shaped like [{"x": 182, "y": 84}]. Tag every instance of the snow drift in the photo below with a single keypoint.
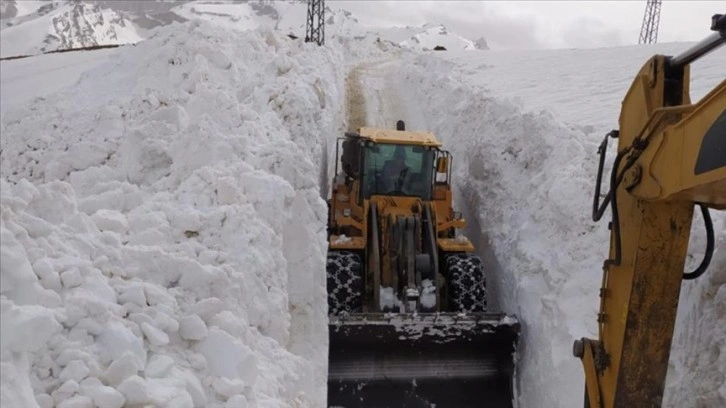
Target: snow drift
[
  {"x": 526, "y": 177},
  {"x": 163, "y": 231}
]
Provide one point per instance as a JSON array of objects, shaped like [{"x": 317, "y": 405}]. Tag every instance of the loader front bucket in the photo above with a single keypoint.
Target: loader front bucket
[{"x": 421, "y": 360}]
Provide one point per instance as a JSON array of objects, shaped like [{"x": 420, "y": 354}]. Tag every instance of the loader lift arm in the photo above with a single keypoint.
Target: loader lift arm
[{"x": 671, "y": 157}]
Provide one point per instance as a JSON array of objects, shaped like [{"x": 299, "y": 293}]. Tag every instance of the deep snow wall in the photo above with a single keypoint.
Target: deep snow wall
[
  {"x": 527, "y": 179},
  {"x": 163, "y": 228}
]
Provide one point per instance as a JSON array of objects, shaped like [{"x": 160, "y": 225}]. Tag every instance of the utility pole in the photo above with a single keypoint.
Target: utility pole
[
  {"x": 649, "y": 29},
  {"x": 315, "y": 30}
]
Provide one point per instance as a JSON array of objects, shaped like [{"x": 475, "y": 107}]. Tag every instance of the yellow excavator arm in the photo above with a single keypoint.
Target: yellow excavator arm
[{"x": 671, "y": 157}]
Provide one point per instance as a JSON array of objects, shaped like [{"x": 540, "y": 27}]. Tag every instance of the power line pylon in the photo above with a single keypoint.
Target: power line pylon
[
  {"x": 315, "y": 30},
  {"x": 649, "y": 29}
]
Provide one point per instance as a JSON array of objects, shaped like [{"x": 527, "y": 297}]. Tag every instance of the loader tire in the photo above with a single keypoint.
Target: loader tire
[
  {"x": 467, "y": 283},
  {"x": 345, "y": 284}
]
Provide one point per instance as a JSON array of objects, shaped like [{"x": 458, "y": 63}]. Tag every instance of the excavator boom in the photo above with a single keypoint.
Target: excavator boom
[{"x": 671, "y": 157}]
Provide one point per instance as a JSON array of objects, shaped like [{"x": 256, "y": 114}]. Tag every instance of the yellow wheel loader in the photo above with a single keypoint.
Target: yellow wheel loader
[{"x": 408, "y": 318}]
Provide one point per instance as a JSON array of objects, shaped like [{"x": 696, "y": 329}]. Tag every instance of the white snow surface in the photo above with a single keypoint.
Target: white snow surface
[
  {"x": 163, "y": 232},
  {"x": 163, "y": 228}
]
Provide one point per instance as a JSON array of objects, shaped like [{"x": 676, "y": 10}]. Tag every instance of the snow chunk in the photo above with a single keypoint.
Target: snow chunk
[
  {"x": 71, "y": 278},
  {"x": 195, "y": 389},
  {"x": 134, "y": 294},
  {"x": 110, "y": 220},
  {"x": 25, "y": 328},
  {"x": 115, "y": 340},
  {"x": 79, "y": 401},
  {"x": 228, "y": 387},
  {"x": 65, "y": 391},
  {"x": 228, "y": 357},
  {"x": 154, "y": 335},
  {"x": 76, "y": 370},
  {"x": 15, "y": 388},
  {"x": 103, "y": 396},
  {"x": 428, "y": 293},
  {"x": 44, "y": 401},
  {"x": 192, "y": 327},
  {"x": 237, "y": 401},
  {"x": 122, "y": 368},
  {"x": 17, "y": 279},
  {"x": 159, "y": 366},
  {"x": 135, "y": 390}
]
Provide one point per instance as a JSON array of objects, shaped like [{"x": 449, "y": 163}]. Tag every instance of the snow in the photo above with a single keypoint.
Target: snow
[
  {"x": 428, "y": 293},
  {"x": 163, "y": 228},
  {"x": 437, "y": 35},
  {"x": 388, "y": 299},
  {"x": 163, "y": 224},
  {"x": 227, "y": 15}
]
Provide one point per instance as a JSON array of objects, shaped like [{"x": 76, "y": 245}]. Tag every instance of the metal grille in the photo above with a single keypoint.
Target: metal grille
[
  {"x": 649, "y": 29},
  {"x": 315, "y": 31}
]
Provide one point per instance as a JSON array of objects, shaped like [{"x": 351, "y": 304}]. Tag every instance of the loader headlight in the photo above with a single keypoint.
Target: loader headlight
[{"x": 346, "y": 212}]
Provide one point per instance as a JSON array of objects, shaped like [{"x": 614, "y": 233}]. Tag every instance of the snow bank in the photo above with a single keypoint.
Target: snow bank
[
  {"x": 527, "y": 180},
  {"x": 163, "y": 232}
]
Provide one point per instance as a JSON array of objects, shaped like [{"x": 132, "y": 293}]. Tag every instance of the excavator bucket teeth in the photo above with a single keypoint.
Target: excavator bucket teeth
[{"x": 421, "y": 360}]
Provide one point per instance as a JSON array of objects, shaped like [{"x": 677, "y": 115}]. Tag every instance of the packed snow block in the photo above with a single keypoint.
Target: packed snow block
[
  {"x": 133, "y": 294},
  {"x": 55, "y": 202},
  {"x": 155, "y": 336},
  {"x": 192, "y": 327},
  {"x": 44, "y": 401},
  {"x": 67, "y": 390},
  {"x": 228, "y": 357},
  {"x": 110, "y": 220},
  {"x": 116, "y": 340},
  {"x": 36, "y": 227},
  {"x": 227, "y": 387},
  {"x": 121, "y": 369},
  {"x": 71, "y": 278},
  {"x": 15, "y": 388},
  {"x": 26, "y": 328},
  {"x": 194, "y": 388},
  {"x": 173, "y": 115},
  {"x": 103, "y": 396},
  {"x": 75, "y": 370},
  {"x": 159, "y": 366},
  {"x": 78, "y": 401},
  {"x": 124, "y": 198},
  {"x": 135, "y": 390},
  {"x": 17, "y": 280},
  {"x": 237, "y": 401}
]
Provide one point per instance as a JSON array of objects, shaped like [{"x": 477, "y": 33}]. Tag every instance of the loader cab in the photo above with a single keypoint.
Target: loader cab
[
  {"x": 396, "y": 163},
  {"x": 397, "y": 170}
]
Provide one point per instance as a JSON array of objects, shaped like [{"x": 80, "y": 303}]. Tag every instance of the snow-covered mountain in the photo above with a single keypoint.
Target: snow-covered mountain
[
  {"x": 61, "y": 25},
  {"x": 31, "y": 27}
]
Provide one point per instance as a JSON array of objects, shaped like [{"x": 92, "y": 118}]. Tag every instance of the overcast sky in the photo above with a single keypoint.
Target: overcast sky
[{"x": 543, "y": 24}]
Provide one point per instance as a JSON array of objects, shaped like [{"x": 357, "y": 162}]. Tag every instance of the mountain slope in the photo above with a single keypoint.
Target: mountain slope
[
  {"x": 66, "y": 25},
  {"x": 34, "y": 27}
]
